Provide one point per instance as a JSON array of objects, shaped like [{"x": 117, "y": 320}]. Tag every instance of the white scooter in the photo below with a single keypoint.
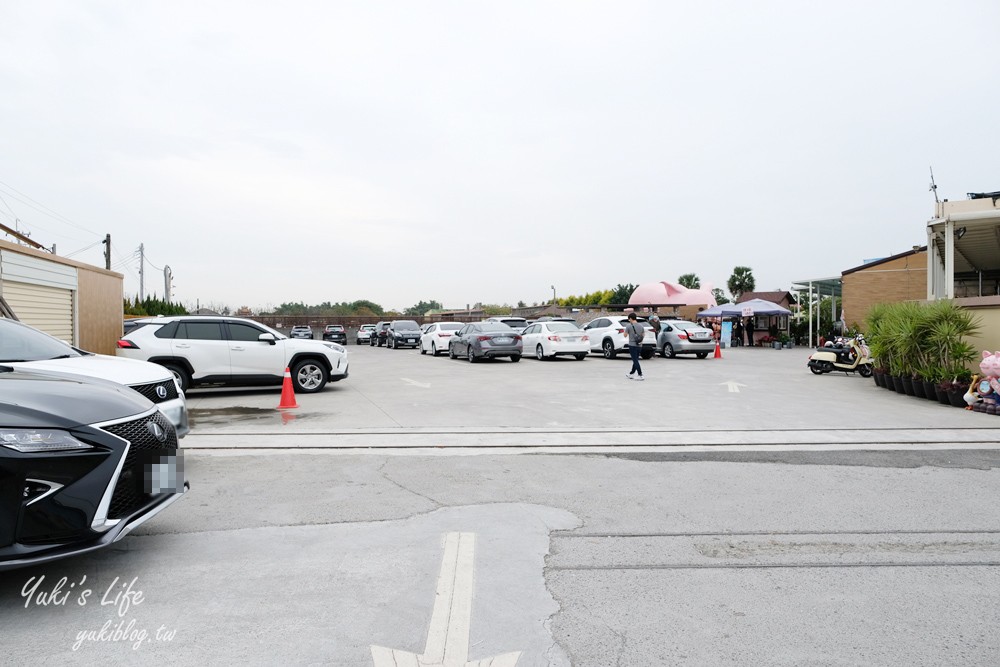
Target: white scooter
[{"x": 852, "y": 358}]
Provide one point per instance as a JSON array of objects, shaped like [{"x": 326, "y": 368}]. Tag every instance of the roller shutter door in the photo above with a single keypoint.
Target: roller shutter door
[{"x": 47, "y": 308}]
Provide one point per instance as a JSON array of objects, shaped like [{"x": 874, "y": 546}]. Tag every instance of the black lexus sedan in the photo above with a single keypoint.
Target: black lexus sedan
[{"x": 82, "y": 463}]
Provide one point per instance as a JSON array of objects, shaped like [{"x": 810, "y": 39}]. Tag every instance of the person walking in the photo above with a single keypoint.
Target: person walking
[{"x": 635, "y": 333}]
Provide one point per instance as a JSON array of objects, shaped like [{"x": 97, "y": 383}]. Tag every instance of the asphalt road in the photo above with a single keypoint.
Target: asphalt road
[{"x": 551, "y": 513}]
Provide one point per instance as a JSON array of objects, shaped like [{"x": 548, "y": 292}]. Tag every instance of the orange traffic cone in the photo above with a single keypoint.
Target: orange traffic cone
[
  {"x": 718, "y": 350},
  {"x": 287, "y": 392}
]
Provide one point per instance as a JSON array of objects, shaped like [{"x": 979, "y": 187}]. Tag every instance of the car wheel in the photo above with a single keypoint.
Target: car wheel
[
  {"x": 539, "y": 352},
  {"x": 646, "y": 353},
  {"x": 308, "y": 376},
  {"x": 471, "y": 356},
  {"x": 702, "y": 355},
  {"x": 609, "y": 350},
  {"x": 180, "y": 374},
  {"x": 451, "y": 352},
  {"x": 515, "y": 358},
  {"x": 581, "y": 356},
  {"x": 434, "y": 351},
  {"x": 668, "y": 351}
]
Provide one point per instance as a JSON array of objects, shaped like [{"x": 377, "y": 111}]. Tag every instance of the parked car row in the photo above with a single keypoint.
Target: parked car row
[{"x": 544, "y": 338}]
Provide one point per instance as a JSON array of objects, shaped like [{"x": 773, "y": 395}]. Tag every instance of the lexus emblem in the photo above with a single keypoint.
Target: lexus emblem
[
  {"x": 156, "y": 431},
  {"x": 161, "y": 391}
]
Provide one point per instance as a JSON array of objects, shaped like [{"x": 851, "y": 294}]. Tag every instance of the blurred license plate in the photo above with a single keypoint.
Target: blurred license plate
[
  {"x": 502, "y": 339},
  {"x": 411, "y": 340},
  {"x": 164, "y": 473}
]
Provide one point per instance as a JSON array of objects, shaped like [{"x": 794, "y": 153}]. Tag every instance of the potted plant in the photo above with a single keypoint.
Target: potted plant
[{"x": 960, "y": 385}]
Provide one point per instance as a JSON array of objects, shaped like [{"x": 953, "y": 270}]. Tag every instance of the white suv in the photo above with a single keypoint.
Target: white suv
[
  {"x": 233, "y": 351},
  {"x": 607, "y": 336},
  {"x": 28, "y": 348}
]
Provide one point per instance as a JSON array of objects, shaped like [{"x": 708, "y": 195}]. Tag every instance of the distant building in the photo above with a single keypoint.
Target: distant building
[{"x": 901, "y": 277}]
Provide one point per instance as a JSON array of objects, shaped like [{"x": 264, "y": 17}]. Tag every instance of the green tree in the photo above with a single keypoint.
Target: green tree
[
  {"x": 720, "y": 296},
  {"x": 741, "y": 281},
  {"x": 421, "y": 308},
  {"x": 622, "y": 293},
  {"x": 690, "y": 281}
]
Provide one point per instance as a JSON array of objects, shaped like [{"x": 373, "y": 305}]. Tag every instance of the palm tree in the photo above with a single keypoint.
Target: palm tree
[
  {"x": 690, "y": 281},
  {"x": 741, "y": 281}
]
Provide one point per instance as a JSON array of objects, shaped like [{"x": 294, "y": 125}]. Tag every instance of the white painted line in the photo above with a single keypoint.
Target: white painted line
[
  {"x": 612, "y": 449},
  {"x": 734, "y": 386},
  {"x": 423, "y": 385},
  {"x": 451, "y": 619}
]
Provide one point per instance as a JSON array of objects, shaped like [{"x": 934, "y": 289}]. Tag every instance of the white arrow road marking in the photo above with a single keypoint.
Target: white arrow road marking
[
  {"x": 734, "y": 386},
  {"x": 425, "y": 385},
  {"x": 451, "y": 619}
]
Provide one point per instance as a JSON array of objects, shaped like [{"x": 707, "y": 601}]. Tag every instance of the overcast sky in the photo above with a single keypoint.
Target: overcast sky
[{"x": 471, "y": 151}]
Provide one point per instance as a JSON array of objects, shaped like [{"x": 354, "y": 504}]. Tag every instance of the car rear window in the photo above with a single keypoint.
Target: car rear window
[
  {"x": 494, "y": 326},
  {"x": 563, "y": 326},
  {"x": 449, "y": 326},
  {"x": 406, "y": 324}
]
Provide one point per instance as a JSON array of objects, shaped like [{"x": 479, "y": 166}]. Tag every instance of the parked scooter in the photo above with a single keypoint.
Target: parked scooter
[{"x": 852, "y": 358}]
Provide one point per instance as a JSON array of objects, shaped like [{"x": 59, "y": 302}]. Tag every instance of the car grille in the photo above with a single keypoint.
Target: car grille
[
  {"x": 149, "y": 391},
  {"x": 128, "y": 495}
]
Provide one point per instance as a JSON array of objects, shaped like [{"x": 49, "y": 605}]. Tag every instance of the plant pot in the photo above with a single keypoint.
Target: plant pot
[
  {"x": 957, "y": 398},
  {"x": 907, "y": 385},
  {"x": 930, "y": 390},
  {"x": 776, "y": 345},
  {"x": 877, "y": 376},
  {"x": 897, "y": 384},
  {"x": 918, "y": 388},
  {"x": 942, "y": 395}
]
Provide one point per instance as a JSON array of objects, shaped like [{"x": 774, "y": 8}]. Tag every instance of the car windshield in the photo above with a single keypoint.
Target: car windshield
[
  {"x": 19, "y": 342},
  {"x": 407, "y": 324},
  {"x": 563, "y": 326}
]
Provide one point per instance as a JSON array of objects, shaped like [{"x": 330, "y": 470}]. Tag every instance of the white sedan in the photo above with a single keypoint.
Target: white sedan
[
  {"x": 551, "y": 339},
  {"x": 435, "y": 337}
]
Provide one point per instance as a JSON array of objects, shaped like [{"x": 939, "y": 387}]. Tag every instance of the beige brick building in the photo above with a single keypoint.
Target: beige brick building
[{"x": 902, "y": 277}]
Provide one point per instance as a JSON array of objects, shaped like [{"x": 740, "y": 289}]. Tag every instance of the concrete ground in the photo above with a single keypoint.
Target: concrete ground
[{"x": 723, "y": 512}]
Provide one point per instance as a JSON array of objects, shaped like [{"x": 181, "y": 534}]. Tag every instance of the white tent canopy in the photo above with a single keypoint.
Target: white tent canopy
[{"x": 758, "y": 306}]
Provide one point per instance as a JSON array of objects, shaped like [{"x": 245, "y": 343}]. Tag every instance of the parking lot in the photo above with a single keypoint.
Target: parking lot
[{"x": 725, "y": 511}]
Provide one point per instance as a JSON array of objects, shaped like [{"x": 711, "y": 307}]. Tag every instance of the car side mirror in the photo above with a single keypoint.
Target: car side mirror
[{"x": 268, "y": 338}]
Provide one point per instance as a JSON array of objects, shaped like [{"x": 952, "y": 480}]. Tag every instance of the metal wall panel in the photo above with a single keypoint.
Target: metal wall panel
[{"x": 41, "y": 306}]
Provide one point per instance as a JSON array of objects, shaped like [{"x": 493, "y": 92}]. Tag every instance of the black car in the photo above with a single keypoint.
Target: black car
[
  {"x": 403, "y": 333},
  {"x": 335, "y": 333},
  {"x": 82, "y": 463},
  {"x": 379, "y": 335}
]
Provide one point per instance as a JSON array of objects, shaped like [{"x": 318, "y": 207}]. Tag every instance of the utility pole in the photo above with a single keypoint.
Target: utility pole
[
  {"x": 107, "y": 251},
  {"x": 168, "y": 277},
  {"x": 142, "y": 273}
]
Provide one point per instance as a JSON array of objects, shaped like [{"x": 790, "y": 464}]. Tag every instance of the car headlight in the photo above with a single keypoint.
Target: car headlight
[
  {"x": 37, "y": 441},
  {"x": 334, "y": 346}
]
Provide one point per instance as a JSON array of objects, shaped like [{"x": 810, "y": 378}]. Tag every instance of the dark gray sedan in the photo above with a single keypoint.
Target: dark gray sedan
[{"x": 486, "y": 340}]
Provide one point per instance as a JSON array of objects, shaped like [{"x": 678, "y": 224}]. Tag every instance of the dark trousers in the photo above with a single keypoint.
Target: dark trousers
[
  {"x": 633, "y": 351},
  {"x": 750, "y": 338}
]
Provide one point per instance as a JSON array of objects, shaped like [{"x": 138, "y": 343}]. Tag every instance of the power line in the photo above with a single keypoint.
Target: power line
[{"x": 42, "y": 208}]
